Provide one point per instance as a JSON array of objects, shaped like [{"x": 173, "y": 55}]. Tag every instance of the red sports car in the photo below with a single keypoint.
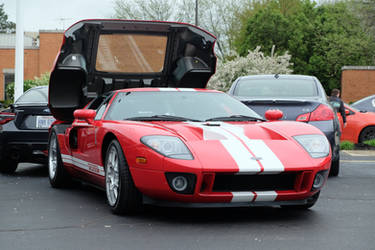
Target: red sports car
[
  {"x": 167, "y": 142},
  {"x": 360, "y": 125}
]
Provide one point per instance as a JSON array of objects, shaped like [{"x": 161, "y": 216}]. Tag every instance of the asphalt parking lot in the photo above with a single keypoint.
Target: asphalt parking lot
[{"x": 35, "y": 216}]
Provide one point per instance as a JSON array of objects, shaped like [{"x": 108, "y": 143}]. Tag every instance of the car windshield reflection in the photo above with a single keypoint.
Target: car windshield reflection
[{"x": 179, "y": 106}]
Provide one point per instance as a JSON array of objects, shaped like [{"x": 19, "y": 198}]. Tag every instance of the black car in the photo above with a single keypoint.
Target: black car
[
  {"x": 24, "y": 129},
  {"x": 365, "y": 104},
  {"x": 300, "y": 98}
]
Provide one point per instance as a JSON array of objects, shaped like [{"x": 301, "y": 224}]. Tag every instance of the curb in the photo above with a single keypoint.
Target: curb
[{"x": 359, "y": 152}]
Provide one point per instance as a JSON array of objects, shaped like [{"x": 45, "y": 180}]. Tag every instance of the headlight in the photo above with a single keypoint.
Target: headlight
[
  {"x": 316, "y": 145},
  {"x": 168, "y": 146}
]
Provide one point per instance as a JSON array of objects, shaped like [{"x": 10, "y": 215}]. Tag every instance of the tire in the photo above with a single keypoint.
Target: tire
[
  {"x": 8, "y": 166},
  {"x": 310, "y": 202},
  {"x": 58, "y": 177},
  {"x": 335, "y": 167},
  {"x": 367, "y": 133},
  {"x": 122, "y": 195}
]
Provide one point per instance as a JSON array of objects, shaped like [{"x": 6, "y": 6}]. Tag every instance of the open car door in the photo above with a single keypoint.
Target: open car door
[{"x": 98, "y": 56}]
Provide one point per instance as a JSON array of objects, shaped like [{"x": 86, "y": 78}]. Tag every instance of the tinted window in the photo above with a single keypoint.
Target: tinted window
[
  {"x": 133, "y": 53},
  {"x": 193, "y": 105},
  {"x": 276, "y": 88},
  {"x": 34, "y": 95}
]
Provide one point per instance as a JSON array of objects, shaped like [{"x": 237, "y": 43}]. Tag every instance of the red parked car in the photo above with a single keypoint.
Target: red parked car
[
  {"x": 360, "y": 125},
  {"x": 151, "y": 134}
]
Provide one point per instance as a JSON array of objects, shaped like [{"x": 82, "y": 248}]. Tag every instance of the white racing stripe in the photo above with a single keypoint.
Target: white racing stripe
[
  {"x": 241, "y": 156},
  {"x": 177, "y": 89},
  {"x": 186, "y": 89},
  {"x": 266, "y": 196},
  {"x": 91, "y": 167},
  {"x": 238, "y": 151},
  {"x": 167, "y": 89},
  {"x": 267, "y": 158},
  {"x": 249, "y": 196},
  {"x": 242, "y": 196},
  {"x": 243, "y": 149}
]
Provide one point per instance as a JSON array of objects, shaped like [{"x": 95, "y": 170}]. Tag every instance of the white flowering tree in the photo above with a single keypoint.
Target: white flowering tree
[{"x": 255, "y": 63}]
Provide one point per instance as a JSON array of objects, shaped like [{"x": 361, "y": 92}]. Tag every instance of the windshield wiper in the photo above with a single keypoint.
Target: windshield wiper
[
  {"x": 161, "y": 118},
  {"x": 235, "y": 118}
]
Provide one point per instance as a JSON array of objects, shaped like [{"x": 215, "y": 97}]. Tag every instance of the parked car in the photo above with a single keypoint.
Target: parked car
[
  {"x": 168, "y": 142},
  {"x": 360, "y": 125},
  {"x": 24, "y": 129},
  {"x": 365, "y": 104},
  {"x": 300, "y": 98}
]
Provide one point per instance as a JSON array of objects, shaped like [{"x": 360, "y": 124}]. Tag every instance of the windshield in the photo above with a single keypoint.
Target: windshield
[
  {"x": 192, "y": 105},
  {"x": 34, "y": 95},
  {"x": 351, "y": 107},
  {"x": 276, "y": 88}
]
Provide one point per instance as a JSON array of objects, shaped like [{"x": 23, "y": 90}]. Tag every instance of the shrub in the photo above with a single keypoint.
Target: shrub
[
  {"x": 346, "y": 145},
  {"x": 370, "y": 142},
  {"x": 255, "y": 63}
]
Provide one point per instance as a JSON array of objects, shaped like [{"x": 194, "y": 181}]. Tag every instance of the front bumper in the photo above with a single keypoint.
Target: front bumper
[
  {"x": 150, "y": 201},
  {"x": 156, "y": 190}
]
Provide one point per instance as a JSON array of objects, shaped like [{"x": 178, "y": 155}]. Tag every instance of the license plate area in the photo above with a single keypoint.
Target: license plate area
[{"x": 44, "y": 121}]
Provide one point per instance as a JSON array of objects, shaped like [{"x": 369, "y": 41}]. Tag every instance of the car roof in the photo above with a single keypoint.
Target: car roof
[
  {"x": 363, "y": 99},
  {"x": 282, "y": 76}
]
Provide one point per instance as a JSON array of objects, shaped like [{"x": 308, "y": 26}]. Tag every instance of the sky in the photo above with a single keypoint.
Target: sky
[{"x": 57, "y": 14}]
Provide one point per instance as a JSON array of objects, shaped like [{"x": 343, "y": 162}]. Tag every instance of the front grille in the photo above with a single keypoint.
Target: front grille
[{"x": 266, "y": 182}]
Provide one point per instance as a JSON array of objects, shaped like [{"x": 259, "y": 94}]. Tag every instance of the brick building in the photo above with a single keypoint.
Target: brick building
[
  {"x": 357, "y": 82},
  {"x": 40, "y": 50}
]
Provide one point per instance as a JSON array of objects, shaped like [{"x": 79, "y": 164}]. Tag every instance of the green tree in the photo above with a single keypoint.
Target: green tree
[
  {"x": 5, "y": 25},
  {"x": 340, "y": 40},
  {"x": 365, "y": 10},
  {"x": 321, "y": 39}
]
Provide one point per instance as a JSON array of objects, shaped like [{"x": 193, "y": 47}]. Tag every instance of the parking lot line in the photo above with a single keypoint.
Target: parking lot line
[{"x": 358, "y": 161}]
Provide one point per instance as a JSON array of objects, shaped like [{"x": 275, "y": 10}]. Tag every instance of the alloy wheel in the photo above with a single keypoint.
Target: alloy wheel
[
  {"x": 112, "y": 176},
  {"x": 52, "y": 157}
]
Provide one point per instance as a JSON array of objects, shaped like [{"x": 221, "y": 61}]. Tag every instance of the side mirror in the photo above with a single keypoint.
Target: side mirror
[
  {"x": 273, "y": 114},
  {"x": 85, "y": 114},
  {"x": 347, "y": 112}
]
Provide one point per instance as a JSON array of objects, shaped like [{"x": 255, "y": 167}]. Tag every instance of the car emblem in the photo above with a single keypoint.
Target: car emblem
[
  {"x": 46, "y": 110},
  {"x": 256, "y": 158}
]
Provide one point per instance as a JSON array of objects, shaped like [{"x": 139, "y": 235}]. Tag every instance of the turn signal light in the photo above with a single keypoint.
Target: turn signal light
[
  {"x": 141, "y": 160},
  {"x": 6, "y": 117}
]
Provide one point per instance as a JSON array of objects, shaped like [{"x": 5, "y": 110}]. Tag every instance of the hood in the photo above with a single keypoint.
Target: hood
[
  {"x": 98, "y": 56},
  {"x": 253, "y": 148}
]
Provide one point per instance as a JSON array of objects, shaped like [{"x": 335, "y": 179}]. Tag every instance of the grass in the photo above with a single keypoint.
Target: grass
[
  {"x": 347, "y": 145},
  {"x": 370, "y": 142}
]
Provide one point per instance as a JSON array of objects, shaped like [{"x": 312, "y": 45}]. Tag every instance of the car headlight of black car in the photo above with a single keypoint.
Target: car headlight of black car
[
  {"x": 316, "y": 145},
  {"x": 169, "y": 146}
]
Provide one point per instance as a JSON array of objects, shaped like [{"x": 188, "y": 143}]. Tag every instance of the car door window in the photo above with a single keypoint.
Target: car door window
[{"x": 102, "y": 108}]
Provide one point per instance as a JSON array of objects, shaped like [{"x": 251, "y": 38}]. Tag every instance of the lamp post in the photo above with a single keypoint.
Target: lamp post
[
  {"x": 18, "y": 85},
  {"x": 196, "y": 12}
]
